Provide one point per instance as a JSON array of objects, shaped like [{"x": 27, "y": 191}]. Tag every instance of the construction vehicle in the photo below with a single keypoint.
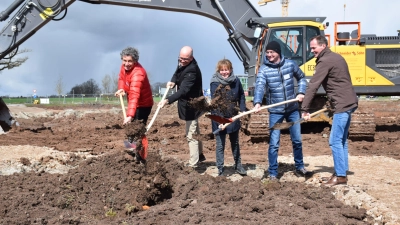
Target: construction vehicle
[{"x": 373, "y": 60}]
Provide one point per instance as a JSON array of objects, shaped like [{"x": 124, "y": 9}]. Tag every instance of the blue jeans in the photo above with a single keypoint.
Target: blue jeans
[
  {"x": 274, "y": 142},
  {"x": 338, "y": 141},
  {"x": 234, "y": 139}
]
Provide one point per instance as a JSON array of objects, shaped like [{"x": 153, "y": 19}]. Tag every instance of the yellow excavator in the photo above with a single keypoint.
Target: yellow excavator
[{"x": 373, "y": 60}]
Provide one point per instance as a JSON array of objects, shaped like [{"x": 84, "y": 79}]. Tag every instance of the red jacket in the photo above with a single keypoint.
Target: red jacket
[{"x": 137, "y": 86}]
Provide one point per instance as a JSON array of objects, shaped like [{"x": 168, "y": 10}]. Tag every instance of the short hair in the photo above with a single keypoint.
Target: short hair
[
  {"x": 321, "y": 40},
  {"x": 224, "y": 62},
  {"x": 129, "y": 51}
]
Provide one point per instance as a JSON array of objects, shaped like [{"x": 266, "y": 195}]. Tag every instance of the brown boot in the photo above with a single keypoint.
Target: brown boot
[
  {"x": 335, "y": 180},
  {"x": 325, "y": 179}
]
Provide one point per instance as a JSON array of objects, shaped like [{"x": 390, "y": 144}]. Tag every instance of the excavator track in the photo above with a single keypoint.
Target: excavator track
[{"x": 362, "y": 125}]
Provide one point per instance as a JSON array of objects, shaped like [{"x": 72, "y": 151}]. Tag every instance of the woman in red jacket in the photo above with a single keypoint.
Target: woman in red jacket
[{"x": 133, "y": 80}]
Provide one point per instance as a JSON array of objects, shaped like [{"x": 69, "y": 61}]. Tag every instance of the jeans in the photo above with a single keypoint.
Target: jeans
[
  {"x": 234, "y": 139},
  {"x": 274, "y": 142},
  {"x": 338, "y": 141},
  {"x": 195, "y": 146}
]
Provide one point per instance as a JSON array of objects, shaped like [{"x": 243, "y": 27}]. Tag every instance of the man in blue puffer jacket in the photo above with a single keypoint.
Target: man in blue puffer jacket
[{"x": 276, "y": 77}]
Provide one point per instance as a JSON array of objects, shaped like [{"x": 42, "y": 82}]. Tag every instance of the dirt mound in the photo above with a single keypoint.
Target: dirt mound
[{"x": 113, "y": 189}]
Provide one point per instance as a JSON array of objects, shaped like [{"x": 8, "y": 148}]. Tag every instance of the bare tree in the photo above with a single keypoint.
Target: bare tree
[
  {"x": 60, "y": 86},
  {"x": 11, "y": 62},
  {"x": 114, "y": 85},
  {"x": 106, "y": 82}
]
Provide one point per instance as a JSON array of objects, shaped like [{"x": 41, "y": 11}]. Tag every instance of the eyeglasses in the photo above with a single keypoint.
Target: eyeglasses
[{"x": 183, "y": 59}]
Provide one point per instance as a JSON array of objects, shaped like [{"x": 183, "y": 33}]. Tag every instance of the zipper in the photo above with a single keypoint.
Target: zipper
[{"x": 283, "y": 84}]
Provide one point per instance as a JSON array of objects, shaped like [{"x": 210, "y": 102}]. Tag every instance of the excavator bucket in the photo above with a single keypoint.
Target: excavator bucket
[{"x": 6, "y": 120}]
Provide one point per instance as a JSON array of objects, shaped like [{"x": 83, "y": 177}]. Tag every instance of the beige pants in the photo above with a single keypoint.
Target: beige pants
[{"x": 195, "y": 146}]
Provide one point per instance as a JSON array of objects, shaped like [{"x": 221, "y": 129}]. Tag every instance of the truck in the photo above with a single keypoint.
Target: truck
[{"x": 374, "y": 61}]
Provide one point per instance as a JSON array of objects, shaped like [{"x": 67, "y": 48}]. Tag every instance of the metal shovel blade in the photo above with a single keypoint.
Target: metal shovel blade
[
  {"x": 282, "y": 126},
  {"x": 143, "y": 151}
]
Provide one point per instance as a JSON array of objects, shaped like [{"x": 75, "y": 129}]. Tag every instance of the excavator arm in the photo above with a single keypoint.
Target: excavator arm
[{"x": 31, "y": 15}]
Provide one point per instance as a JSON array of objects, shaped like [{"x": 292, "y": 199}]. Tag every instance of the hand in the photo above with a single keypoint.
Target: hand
[
  {"x": 120, "y": 92},
  {"x": 170, "y": 84},
  {"x": 306, "y": 116},
  {"x": 300, "y": 97},
  {"x": 162, "y": 103},
  {"x": 127, "y": 120},
  {"x": 257, "y": 108}
]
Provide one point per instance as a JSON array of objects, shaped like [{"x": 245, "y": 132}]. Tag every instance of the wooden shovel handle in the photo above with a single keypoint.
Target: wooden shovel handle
[
  {"x": 122, "y": 105},
  {"x": 318, "y": 112},
  {"x": 158, "y": 109},
  {"x": 254, "y": 110}
]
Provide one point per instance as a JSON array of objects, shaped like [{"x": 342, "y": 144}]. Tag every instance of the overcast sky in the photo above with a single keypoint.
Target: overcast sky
[{"x": 87, "y": 42}]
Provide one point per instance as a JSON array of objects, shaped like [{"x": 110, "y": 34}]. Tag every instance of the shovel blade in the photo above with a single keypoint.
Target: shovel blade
[
  {"x": 282, "y": 126},
  {"x": 219, "y": 119}
]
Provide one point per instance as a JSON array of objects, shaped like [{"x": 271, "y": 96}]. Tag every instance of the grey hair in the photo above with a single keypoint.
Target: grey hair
[{"x": 129, "y": 51}]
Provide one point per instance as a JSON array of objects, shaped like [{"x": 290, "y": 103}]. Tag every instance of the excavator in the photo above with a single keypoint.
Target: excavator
[{"x": 374, "y": 61}]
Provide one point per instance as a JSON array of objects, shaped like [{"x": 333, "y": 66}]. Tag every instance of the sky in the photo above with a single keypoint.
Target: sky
[{"x": 87, "y": 43}]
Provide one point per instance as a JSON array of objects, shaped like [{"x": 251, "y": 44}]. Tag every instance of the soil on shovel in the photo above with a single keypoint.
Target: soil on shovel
[
  {"x": 136, "y": 129},
  {"x": 219, "y": 103}
]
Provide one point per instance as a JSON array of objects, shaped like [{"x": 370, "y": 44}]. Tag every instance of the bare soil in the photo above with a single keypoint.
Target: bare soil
[{"x": 70, "y": 166}]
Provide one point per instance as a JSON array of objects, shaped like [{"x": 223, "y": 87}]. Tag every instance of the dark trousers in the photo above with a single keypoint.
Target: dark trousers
[{"x": 234, "y": 139}]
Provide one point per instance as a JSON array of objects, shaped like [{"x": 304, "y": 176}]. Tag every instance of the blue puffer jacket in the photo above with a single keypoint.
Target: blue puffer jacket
[{"x": 277, "y": 80}]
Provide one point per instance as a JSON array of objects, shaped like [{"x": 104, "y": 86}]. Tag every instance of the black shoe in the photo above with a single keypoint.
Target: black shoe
[
  {"x": 139, "y": 159},
  {"x": 240, "y": 170},
  {"x": 202, "y": 158},
  {"x": 303, "y": 173},
  {"x": 221, "y": 172}
]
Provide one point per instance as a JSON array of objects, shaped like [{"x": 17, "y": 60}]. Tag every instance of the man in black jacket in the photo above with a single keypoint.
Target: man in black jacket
[{"x": 188, "y": 80}]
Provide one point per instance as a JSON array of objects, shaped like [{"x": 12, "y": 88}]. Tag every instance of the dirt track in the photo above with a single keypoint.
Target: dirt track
[{"x": 106, "y": 186}]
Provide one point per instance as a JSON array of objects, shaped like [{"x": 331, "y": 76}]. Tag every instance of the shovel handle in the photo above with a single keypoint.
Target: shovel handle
[
  {"x": 122, "y": 105},
  {"x": 158, "y": 109},
  {"x": 252, "y": 111},
  {"x": 318, "y": 112}
]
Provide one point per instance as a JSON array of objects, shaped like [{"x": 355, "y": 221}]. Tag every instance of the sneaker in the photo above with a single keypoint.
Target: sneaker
[
  {"x": 190, "y": 165},
  {"x": 240, "y": 170},
  {"x": 202, "y": 158},
  {"x": 303, "y": 173}
]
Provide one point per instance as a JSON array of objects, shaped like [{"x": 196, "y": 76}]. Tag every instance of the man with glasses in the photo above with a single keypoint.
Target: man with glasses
[{"x": 187, "y": 78}]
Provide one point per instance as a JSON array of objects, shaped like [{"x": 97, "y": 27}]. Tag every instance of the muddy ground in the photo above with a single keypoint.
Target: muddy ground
[{"x": 70, "y": 166}]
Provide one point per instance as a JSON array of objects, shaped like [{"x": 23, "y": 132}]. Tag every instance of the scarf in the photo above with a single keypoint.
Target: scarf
[{"x": 217, "y": 77}]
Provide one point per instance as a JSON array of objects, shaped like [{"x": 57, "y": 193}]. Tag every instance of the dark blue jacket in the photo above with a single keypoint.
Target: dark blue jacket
[
  {"x": 237, "y": 98},
  {"x": 277, "y": 80}
]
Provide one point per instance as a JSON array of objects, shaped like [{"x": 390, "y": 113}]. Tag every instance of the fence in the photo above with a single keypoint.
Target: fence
[{"x": 64, "y": 99}]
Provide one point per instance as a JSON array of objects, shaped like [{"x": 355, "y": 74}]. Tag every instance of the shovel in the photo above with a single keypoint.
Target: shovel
[
  {"x": 145, "y": 142},
  {"x": 227, "y": 121},
  {"x": 282, "y": 126}
]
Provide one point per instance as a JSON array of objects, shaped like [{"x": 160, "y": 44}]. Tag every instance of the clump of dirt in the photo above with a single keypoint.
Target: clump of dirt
[
  {"x": 135, "y": 129},
  {"x": 220, "y": 102}
]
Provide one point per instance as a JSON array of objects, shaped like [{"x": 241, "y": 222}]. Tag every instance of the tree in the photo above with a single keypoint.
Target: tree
[
  {"x": 88, "y": 87},
  {"x": 114, "y": 83},
  {"x": 106, "y": 82},
  {"x": 11, "y": 62},
  {"x": 60, "y": 86}
]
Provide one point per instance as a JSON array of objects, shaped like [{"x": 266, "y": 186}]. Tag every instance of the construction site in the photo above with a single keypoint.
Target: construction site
[{"x": 70, "y": 163}]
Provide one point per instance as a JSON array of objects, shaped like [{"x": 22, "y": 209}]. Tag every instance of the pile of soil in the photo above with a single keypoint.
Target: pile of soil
[{"x": 113, "y": 189}]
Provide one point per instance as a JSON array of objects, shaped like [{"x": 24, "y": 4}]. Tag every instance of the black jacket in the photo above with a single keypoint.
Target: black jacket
[{"x": 189, "y": 82}]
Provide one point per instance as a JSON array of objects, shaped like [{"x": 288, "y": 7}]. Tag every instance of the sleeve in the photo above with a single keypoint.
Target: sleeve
[
  {"x": 261, "y": 81},
  {"x": 136, "y": 85},
  {"x": 187, "y": 83},
  {"x": 321, "y": 72},
  {"x": 301, "y": 79}
]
